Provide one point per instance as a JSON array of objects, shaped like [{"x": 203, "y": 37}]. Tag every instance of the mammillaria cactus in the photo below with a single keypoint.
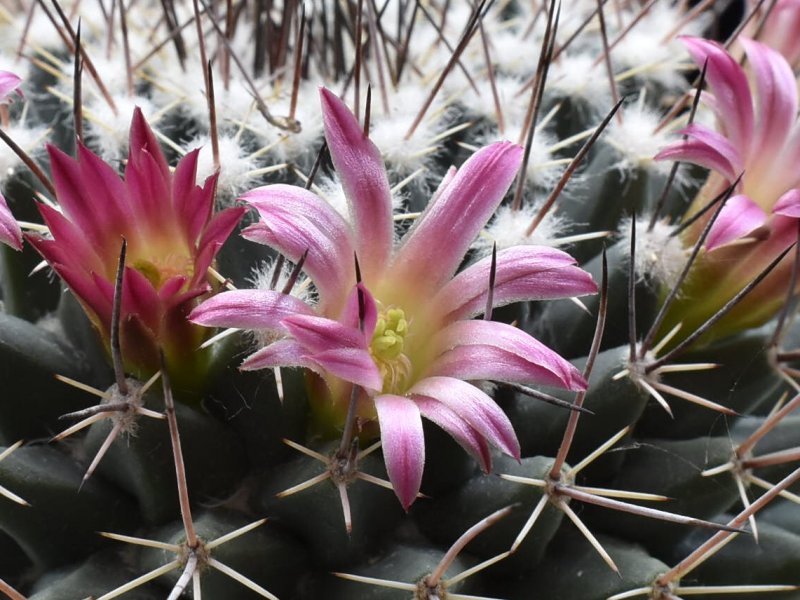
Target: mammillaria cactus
[{"x": 468, "y": 212}]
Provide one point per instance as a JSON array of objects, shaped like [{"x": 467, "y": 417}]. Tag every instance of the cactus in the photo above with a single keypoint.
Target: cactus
[{"x": 564, "y": 233}]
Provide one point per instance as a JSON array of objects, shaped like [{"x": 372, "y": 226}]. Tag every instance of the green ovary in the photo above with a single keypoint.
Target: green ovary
[{"x": 387, "y": 348}]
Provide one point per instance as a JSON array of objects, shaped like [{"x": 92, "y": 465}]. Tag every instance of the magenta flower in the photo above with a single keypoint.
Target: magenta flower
[
  {"x": 9, "y": 84},
  {"x": 172, "y": 235},
  {"x": 10, "y": 232},
  {"x": 418, "y": 348},
  {"x": 758, "y": 135}
]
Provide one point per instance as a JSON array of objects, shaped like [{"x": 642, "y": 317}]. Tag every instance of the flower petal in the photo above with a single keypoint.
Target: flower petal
[
  {"x": 776, "y": 95},
  {"x": 707, "y": 148},
  {"x": 734, "y": 103},
  {"x": 249, "y": 309},
  {"x": 9, "y": 83},
  {"x": 403, "y": 445},
  {"x": 452, "y": 222},
  {"x": 788, "y": 205},
  {"x": 523, "y": 273},
  {"x": 469, "y": 439},
  {"x": 360, "y": 167},
  {"x": 497, "y": 351},
  {"x": 282, "y": 353},
  {"x": 738, "y": 217},
  {"x": 339, "y": 349},
  {"x": 294, "y": 220},
  {"x": 474, "y": 406},
  {"x": 350, "y": 313},
  {"x": 10, "y": 232}
]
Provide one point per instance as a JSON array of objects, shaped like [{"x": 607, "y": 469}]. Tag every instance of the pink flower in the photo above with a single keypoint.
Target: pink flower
[
  {"x": 779, "y": 30},
  {"x": 10, "y": 232},
  {"x": 172, "y": 235},
  {"x": 9, "y": 83},
  {"x": 418, "y": 347},
  {"x": 757, "y": 135}
]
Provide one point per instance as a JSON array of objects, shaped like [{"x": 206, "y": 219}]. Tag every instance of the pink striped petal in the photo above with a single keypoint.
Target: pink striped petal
[
  {"x": 360, "y": 167},
  {"x": 10, "y": 232},
  {"x": 474, "y": 406},
  {"x": 497, "y": 351},
  {"x": 734, "y": 103},
  {"x": 738, "y": 217},
  {"x": 294, "y": 220},
  {"x": 69, "y": 246},
  {"x": 788, "y": 205},
  {"x": 706, "y": 148},
  {"x": 469, "y": 439},
  {"x": 9, "y": 83},
  {"x": 403, "y": 445},
  {"x": 350, "y": 313},
  {"x": 452, "y": 222},
  {"x": 249, "y": 309},
  {"x": 283, "y": 353},
  {"x": 776, "y": 96},
  {"x": 351, "y": 364},
  {"x": 523, "y": 273}
]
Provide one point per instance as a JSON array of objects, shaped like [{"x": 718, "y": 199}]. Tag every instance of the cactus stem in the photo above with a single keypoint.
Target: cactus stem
[
  {"x": 6, "y": 493},
  {"x": 562, "y": 504}
]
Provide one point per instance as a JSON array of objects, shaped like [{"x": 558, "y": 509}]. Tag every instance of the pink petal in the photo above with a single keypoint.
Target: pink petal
[
  {"x": 707, "y": 148},
  {"x": 734, "y": 104},
  {"x": 351, "y": 364},
  {"x": 523, "y": 273},
  {"x": 249, "y": 309},
  {"x": 403, "y": 445},
  {"x": 738, "y": 217},
  {"x": 788, "y": 205},
  {"x": 776, "y": 95},
  {"x": 10, "y": 232},
  {"x": 360, "y": 167},
  {"x": 294, "y": 220},
  {"x": 216, "y": 233},
  {"x": 474, "y": 406},
  {"x": 143, "y": 143},
  {"x": 350, "y": 313},
  {"x": 193, "y": 205},
  {"x": 9, "y": 83},
  {"x": 68, "y": 246},
  {"x": 497, "y": 351},
  {"x": 338, "y": 349},
  {"x": 434, "y": 247},
  {"x": 469, "y": 439},
  {"x": 283, "y": 353},
  {"x": 139, "y": 297}
]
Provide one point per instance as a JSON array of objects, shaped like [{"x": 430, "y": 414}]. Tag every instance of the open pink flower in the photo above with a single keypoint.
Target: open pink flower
[
  {"x": 758, "y": 137},
  {"x": 417, "y": 347},
  {"x": 172, "y": 236}
]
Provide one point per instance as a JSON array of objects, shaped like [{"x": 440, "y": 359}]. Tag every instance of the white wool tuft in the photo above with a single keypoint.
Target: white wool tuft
[
  {"x": 109, "y": 133},
  {"x": 509, "y": 228},
  {"x": 30, "y": 139},
  {"x": 660, "y": 256},
  {"x": 636, "y": 140}
]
